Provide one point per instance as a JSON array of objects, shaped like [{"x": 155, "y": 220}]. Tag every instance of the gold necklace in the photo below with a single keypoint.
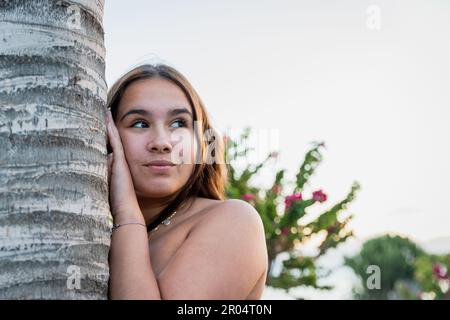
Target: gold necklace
[{"x": 166, "y": 221}]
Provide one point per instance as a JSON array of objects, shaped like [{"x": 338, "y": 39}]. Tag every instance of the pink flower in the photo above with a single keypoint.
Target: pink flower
[
  {"x": 225, "y": 139},
  {"x": 319, "y": 196},
  {"x": 248, "y": 196},
  {"x": 291, "y": 198},
  {"x": 285, "y": 231},
  {"x": 436, "y": 268},
  {"x": 439, "y": 272}
]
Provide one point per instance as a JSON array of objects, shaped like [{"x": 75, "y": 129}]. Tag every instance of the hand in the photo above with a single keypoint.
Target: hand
[{"x": 123, "y": 201}]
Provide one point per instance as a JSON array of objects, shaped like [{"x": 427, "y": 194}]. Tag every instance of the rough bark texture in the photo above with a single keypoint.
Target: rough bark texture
[{"x": 54, "y": 212}]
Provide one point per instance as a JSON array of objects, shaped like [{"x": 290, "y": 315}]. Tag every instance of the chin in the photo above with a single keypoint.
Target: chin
[{"x": 156, "y": 190}]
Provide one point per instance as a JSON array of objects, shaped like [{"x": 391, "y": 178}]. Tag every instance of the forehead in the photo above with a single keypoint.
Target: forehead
[{"x": 155, "y": 94}]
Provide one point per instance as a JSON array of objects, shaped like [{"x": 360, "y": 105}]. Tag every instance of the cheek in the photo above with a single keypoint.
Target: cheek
[
  {"x": 132, "y": 148},
  {"x": 185, "y": 173}
]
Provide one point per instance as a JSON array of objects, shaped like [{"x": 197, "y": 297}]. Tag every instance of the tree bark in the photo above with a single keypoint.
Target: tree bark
[{"x": 54, "y": 211}]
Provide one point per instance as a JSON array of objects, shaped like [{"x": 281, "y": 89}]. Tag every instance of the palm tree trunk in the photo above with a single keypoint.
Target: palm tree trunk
[{"x": 54, "y": 212}]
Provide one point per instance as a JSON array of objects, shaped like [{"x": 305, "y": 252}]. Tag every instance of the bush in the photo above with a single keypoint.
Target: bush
[{"x": 282, "y": 215}]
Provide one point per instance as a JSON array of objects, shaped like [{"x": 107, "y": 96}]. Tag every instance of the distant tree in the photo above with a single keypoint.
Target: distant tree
[{"x": 394, "y": 255}]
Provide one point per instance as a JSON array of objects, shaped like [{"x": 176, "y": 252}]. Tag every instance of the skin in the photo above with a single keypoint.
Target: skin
[{"x": 205, "y": 265}]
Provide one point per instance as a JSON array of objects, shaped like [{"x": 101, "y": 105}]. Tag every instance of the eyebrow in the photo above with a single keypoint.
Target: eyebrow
[{"x": 171, "y": 112}]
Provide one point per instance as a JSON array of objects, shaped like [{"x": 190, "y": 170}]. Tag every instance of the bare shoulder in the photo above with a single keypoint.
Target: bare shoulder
[
  {"x": 236, "y": 224},
  {"x": 229, "y": 237},
  {"x": 234, "y": 210}
]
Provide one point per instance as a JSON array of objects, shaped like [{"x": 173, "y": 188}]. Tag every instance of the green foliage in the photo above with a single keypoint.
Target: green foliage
[
  {"x": 284, "y": 229},
  {"x": 394, "y": 256},
  {"x": 431, "y": 272},
  {"x": 407, "y": 272}
]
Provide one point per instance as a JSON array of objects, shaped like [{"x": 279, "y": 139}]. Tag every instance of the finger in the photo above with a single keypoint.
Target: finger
[
  {"x": 110, "y": 160},
  {"x": 113, "y": 135}
]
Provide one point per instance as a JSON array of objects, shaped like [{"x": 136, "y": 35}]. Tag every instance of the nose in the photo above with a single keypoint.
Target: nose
[{"x": 160, "y": 142}]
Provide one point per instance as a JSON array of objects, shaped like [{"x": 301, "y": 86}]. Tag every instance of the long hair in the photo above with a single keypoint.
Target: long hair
[{"x": 208, "y": 179}]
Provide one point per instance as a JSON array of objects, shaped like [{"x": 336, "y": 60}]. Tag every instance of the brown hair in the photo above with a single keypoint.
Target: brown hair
[{"x": 207, "y": 179}]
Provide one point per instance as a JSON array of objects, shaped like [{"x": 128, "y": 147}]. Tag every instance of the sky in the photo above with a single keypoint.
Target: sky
[{"x": 369, "y": 78}]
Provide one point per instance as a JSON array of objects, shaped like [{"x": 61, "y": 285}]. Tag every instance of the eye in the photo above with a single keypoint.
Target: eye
[
  {"x": 181, "y": 123},
  {"x": 139, "y": 121}
]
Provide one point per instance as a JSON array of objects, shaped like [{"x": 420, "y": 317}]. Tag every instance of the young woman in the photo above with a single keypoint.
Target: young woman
[{"x": 174, "y": 234}]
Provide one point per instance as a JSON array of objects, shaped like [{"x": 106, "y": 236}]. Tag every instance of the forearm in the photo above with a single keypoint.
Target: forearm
[{"x": 131, "y": 273}]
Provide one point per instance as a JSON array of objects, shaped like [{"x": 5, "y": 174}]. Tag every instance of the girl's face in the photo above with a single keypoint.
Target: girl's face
[{"x": 156, "y": 122}]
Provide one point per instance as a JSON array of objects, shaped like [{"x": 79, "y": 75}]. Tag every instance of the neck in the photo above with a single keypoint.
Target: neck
[{"x": 151, "y": 207}]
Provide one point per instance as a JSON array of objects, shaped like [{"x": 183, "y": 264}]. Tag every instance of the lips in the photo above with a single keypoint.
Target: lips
[
  {"x": 160, "y": 167},
  {"x": 160, "y": 163}
]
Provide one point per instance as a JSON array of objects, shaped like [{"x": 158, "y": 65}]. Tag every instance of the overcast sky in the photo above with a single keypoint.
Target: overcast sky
[{"x": 370, "y": 78}]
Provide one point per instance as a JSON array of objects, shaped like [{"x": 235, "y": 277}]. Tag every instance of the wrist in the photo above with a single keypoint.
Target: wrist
[
  {"x": 128, "y": 215},
  {"x": 117, "y": 226}
]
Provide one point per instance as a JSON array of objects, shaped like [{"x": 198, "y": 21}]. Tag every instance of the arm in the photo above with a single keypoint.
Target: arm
[{"x": 131, "y": 273}]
